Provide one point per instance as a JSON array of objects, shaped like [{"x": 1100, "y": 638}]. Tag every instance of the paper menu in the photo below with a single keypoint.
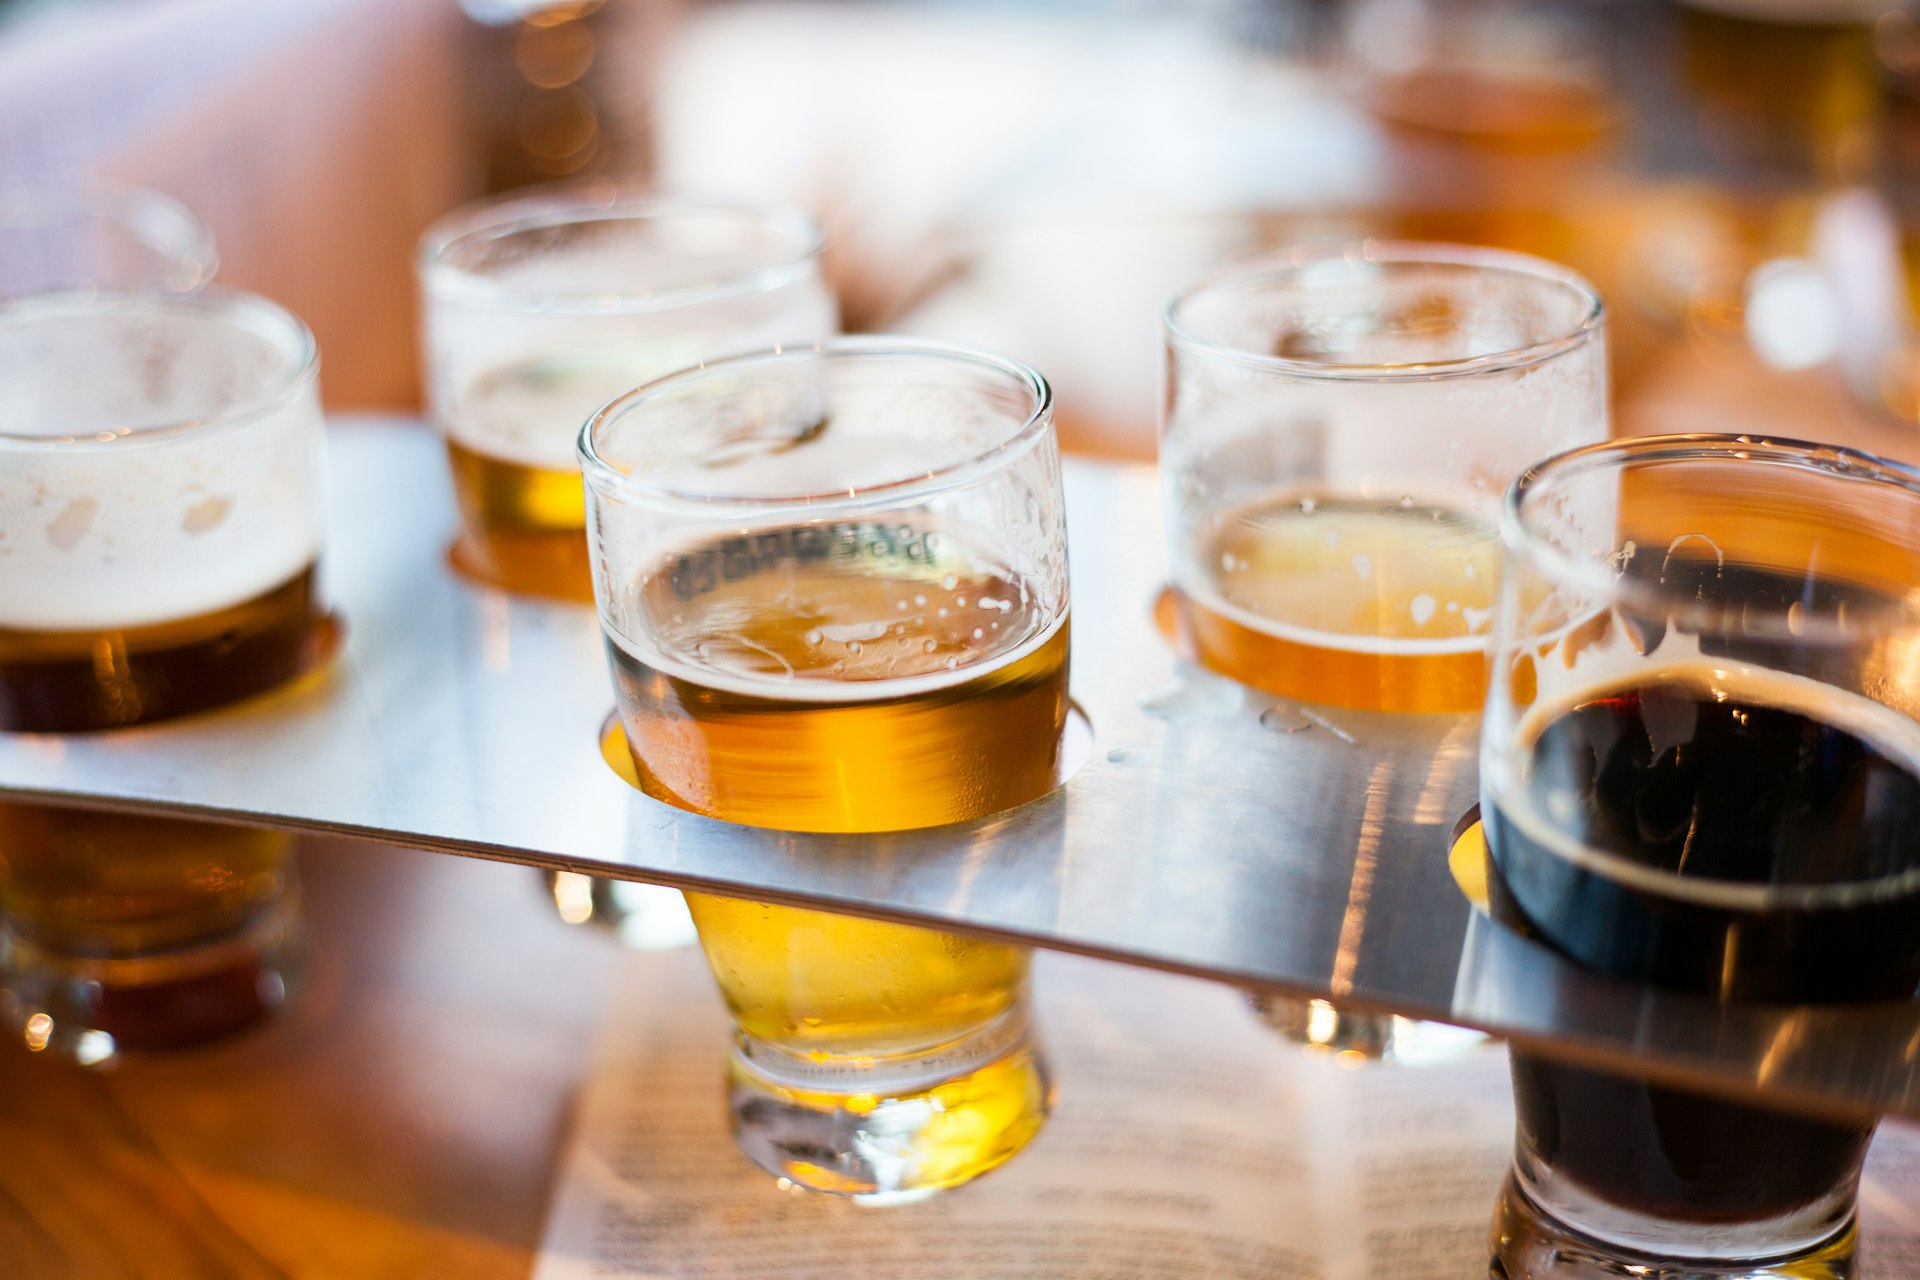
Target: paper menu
[{"x": 1187, "y": 1140}]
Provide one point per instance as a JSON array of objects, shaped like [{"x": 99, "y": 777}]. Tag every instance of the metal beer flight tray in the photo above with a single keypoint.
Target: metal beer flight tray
[{"x": 1210, "y": 830}]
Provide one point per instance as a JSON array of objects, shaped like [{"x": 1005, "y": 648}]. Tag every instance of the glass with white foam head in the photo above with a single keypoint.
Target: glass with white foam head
[
  {"x": 124, "y": 239},
  {"x": 1700, "y": 771},
  {"x": 834, "y": 590},
  {"x": 541, "y": 308},
  {"x": 162, "y": 511},
  {"x": 1339, "y": 424}
]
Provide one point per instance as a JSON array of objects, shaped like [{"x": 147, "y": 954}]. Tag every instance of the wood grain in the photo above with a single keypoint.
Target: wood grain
[{"x": 401, "y": 1120}]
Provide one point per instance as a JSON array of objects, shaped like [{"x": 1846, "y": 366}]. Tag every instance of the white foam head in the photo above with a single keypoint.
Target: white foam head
[
  {"x": 541, "y": 309},
  {"x": 160, "y": 457}
]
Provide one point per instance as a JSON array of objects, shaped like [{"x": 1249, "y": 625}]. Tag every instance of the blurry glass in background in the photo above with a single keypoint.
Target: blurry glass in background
[
  {"x": 834, "y": 591},
  {"x": 542, "y": 307},
  {"x": 538, "y": 89},
  {"x": 1340, "y": 423},
  {"x": 1785, "y": 91},
  {"x": 126, "y": 239},
  {"x": 162, "y": 497}
]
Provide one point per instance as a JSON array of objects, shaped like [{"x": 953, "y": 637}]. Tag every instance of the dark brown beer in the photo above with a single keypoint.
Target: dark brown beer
[
  {"x": 100, "y": 678},
  {"x": 1739, "y": 837}
]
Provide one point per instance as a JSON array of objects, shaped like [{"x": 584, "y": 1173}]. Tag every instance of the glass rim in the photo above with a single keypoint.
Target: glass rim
[
  {"x": 609, "y": 481},
  {"x": 1281, "y": 264},
  {"x": 1521, "y": 538},
  {"x": 24, "y": 206},
  {"x": 302, "y": 354},
  {"x": 499, "y": 217}
]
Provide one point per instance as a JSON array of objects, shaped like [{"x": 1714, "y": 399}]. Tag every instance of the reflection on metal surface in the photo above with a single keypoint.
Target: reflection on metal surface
[{"x": 1206, "y": 844}]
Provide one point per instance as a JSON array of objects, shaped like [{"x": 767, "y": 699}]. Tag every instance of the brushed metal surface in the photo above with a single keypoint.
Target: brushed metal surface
[{"x": 1210, "y": 831}]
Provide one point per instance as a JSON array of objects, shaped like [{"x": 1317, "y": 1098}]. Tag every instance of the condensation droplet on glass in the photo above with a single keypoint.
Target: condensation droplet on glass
[
  {"x": 816, "y": 636},
  {"x": 1422, "y": 609},
  {"x": 1406, "y": 502},
  {"x": 919, "y": 602},
  {"x": 1307, "y": 506},
  {"x": 949, "y": 582},
  {"x": 953, "y": 664},
  {"x": 928, "y": 646},
  {"x": 1363, "y": 565},
  {"x": 901, "y": 605},
  {"x": 941, "y": 612},
  {"x": 1283, "y": 717},
  {"x": 854, "y": 646},
  {"x": 960, "y": 602},
  {"x": 978, "y": 634}
]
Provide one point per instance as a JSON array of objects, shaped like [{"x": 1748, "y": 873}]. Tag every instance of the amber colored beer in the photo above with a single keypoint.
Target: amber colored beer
[
  {"x": 525, "y": 526},
  {"x": 851, "y": 678},
  {"x": 65, "y": 680},
  {"x": 1379, "y": 605},
  {"x": 510, "y": 442}
]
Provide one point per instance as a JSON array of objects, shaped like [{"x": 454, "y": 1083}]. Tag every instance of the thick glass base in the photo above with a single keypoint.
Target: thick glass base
[
  {"x": 890, "y": 1130},
  {"x": 1325, "y": 1027},
  {"x": 92, "y": 1009},
  {"x": 1528, "y": 1243}
]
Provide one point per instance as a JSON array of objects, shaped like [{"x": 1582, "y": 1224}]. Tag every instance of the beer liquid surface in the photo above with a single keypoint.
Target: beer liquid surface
[
  {"x": 1381, "y": 605},
  {"x": 846, "y": 678},
  {"x": 61, "y": 681},
  {"x": 1705, "y": 783}
]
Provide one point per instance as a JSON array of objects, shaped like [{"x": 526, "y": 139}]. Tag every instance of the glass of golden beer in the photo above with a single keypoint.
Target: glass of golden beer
[
  {"x": 541, "y": 308},
  {"x": 162, "y": 509},
  {"x": 833, "y": 585},
  {"x": 1339, "y": 426}
]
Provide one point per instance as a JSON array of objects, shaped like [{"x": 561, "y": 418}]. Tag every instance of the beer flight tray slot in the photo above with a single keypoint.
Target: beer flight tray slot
[{"x": 1210, "y": 829}]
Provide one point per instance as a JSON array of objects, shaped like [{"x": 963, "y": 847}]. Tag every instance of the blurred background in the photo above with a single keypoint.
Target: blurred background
[{"x": 1740, "y": 177}]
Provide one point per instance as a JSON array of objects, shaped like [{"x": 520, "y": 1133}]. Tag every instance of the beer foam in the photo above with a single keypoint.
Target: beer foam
[
  {"x": 520, "y": 387},
  {"x": 1893, "y": 734},
  {"x": 106, "y": 522}
]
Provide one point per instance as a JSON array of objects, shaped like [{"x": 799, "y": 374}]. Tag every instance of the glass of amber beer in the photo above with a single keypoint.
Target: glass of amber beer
[
  {"x": 541, "y": 308},
  {"x": 834, "y": 590},
  {"x": 162, "y": 508},
  {"x": 1340, "y": 423},
  {"x": 1700, "y": 770}
]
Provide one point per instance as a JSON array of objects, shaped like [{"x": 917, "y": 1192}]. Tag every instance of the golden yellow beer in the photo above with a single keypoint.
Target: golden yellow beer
[
  {"x": 98, "y": 678},
  {"x": 913, "y": 691},
  {"x": 543, "y": 306},
  {"x": 525, "y": 525},
  {"x": 510, "y": 445},
  {"x": 1356, "y": 602}
]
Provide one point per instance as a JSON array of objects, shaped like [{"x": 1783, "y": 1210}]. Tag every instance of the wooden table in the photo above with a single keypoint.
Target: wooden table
[{"x": 401, "y": 1120}]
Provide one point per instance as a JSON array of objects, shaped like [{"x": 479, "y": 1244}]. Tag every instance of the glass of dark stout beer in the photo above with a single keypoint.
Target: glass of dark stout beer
[
  {"x": 162, "y": 511},
  {"x": 833, "y": 585},
  {"x": 1701, "y": 771}
]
